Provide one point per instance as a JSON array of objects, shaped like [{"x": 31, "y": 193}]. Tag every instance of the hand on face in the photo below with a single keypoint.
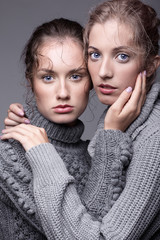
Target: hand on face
[
  {"x": 127, "y": 107},
  {"x": 28, "y": 135}
]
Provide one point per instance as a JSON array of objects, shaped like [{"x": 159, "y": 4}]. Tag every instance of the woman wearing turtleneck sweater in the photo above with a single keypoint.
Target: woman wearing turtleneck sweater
[
  {"x": 57, "y": 73},
  {"x": 122, "y": 39}
]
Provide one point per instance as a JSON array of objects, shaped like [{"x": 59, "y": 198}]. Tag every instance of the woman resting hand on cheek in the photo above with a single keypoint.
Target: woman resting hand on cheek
[
  {"x": 119, "y": 116},
  {"x": 60, "y": 172}
]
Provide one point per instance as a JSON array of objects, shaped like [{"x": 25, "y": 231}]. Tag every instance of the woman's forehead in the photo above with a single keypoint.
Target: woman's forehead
[{"x": 61, "y": 54}]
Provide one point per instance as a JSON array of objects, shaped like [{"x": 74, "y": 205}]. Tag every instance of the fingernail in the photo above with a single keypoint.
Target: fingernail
[
  {"x": 129, "y": 89},
  {"x": 144, "y": 73},
  {"x": 21, "y": 113},
  {"x": 3, "y": 130},
  {"x": 27, "y": 121}
]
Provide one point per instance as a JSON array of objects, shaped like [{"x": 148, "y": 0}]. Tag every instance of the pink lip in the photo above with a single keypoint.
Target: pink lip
[
  {"x": 63, "y": 109},
  {"x": 106, "y": 89}
]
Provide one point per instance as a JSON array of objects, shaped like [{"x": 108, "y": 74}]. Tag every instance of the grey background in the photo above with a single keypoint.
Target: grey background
[{"x": 18, "y": 18}]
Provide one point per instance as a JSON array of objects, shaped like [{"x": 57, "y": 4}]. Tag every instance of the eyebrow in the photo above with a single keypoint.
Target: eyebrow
[
  {"x": 123, "y": 47},
  {"x": 50, "y": 71},
  {"x": 93, "y": 48},
  {"x": 46, "y": 70},
  {"x": 77, "y": 70},
  {"x": 115, "y": 49}
]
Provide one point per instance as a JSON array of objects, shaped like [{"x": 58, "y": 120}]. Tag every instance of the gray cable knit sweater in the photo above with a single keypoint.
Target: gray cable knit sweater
[
  {"x": 136, "y": 213},
  {"x": 19, "y": 218}
]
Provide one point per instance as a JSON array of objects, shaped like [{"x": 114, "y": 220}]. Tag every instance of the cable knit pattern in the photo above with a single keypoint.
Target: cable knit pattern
[
  {"x": 111, "y": 155},
  {"x": 136, "y": 213},
  {"x": 16, "y": 180}
]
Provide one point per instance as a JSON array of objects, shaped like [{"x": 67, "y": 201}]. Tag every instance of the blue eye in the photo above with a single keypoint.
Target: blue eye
[
  {"x": 123, "y": 57},
  {"x": 48, "y": 78},
  {"x": 75, "y": 77},
  {"x": 94, "y": 55}
]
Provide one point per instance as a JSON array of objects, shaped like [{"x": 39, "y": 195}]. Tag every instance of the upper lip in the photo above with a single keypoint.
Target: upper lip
[
  {"x": 106, "y": 86},
  {"x": 63, "y": 106}
]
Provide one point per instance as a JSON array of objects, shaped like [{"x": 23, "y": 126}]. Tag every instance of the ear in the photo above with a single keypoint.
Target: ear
[{"x": 155, "y": 64}]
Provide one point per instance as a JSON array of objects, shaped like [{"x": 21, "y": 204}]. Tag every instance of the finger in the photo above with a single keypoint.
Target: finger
[
  {"x": 136, "y": 94},
  {"x": 12, "y": 135},
  {"x": 27, "y": 135},
  {"x": 16, "y": 133},
  {"x": 137, "y": 99},
  {"x": 139, "y": 94},
  {"x": 17, "y": 129},
  {"x": 122, "y": 100},
  {"x": 24, "y": 130},
  {"x": 17, "y": 108},
  {"x": 10, "y": 123},
  {"x": 12, "y": 116}
]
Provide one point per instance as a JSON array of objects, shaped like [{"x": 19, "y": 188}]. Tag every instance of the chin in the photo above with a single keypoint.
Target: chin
[
  {"x": 106, "y": 102},
  {"x": 69, "y": 121}
]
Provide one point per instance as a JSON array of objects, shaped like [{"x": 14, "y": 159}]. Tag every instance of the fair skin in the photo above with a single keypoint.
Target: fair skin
[
  {"x": 61, "y": 82},
  {"x": 61, "y": 86},
  {"x": 113, "y": 62}
]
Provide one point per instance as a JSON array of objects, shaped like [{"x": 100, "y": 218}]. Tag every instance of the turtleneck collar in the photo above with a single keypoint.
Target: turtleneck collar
[
  {"x": 58, "y": 132},
  {"x": 147, "y": 108}
]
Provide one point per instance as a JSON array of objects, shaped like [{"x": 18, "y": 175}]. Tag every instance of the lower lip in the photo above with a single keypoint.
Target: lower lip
[
  {"x": 63, "y": 110},
  {"x": 107, "y": 90}
]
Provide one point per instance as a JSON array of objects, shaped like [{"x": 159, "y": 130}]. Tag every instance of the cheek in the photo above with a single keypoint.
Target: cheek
[
  {"x": 128, "y": 76},
  {"x": 42, "y": 95},
  {"x": 92, "y": 68},
  {"x": 82, "y": 94}
]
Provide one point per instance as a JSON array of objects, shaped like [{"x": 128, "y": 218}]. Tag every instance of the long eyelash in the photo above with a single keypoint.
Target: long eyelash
[
  {"x": 77, "y": 75},
  {"x": 125, "y": 60}
]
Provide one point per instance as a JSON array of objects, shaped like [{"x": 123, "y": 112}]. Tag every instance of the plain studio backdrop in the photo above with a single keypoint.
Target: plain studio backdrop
[{"x": 18, "y": 19}]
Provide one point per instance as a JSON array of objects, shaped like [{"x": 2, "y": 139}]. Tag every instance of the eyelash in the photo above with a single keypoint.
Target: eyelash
[
  {"x": 90, "y": 54},
  {"x": 76, "y": 75},
  {"x": 72, "y": 77},
  {"x": 96, "y": 58},
  {"x": 47, "y": 76},
  {"x": 123, "y": 60}
]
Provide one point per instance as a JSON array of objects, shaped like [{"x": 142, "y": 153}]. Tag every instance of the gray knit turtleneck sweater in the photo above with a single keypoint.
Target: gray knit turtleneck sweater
[
  {"x": 18, "y": 214},
  {"x": 19, "y": 218},
  {"x": 136, "y": 213}
]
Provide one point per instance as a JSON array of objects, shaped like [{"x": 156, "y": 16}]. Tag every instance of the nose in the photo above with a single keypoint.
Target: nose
[
  {"x": 63, "y": 91},
  {"x": 106, "y": 69}
]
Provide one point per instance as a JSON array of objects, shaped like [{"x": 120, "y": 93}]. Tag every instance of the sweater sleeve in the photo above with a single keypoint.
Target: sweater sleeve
[
  {"x": 55, "y": 195},
  {"x": 106, "y": 176},
  {"x": 138, "y": 204},
  {"x": 64, "y": 217},
  {"x": 111, "y": 152}
]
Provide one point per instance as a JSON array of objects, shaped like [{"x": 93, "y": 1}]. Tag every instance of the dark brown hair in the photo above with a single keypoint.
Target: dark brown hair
[
  {"x": 58, "y": 29},
  {"x": 141, "y": 18}
]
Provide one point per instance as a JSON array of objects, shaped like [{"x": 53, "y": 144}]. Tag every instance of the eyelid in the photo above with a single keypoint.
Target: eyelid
[
  {"x": 123, "y": 60},
  {"x": 80, "y": 73},
  {"x": 76, "y": 74},
  {"x": 47, "y": 75},
  {"x": 90, "y": 53}
]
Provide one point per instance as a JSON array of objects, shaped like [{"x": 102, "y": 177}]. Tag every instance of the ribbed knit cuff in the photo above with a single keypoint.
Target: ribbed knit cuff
[{"x": 47, "y": 166}]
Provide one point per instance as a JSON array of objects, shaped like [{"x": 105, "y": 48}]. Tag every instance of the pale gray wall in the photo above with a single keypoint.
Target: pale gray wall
[{"x": 18, "y": 18}]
